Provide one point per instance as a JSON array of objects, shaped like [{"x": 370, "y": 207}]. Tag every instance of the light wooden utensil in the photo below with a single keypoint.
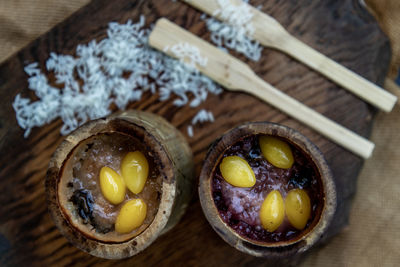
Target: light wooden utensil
[
  {"x": 272, "y": 34},
  {"x": 235, "y": 75}
]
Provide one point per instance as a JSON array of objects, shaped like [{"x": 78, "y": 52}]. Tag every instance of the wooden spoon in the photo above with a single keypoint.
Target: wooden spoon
[
  {"x": 235, "y": 75},
  {"x": 272, "y": 34}
]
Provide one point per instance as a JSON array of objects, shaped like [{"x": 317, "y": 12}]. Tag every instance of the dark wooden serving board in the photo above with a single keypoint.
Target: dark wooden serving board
[{"x": 342, "y": 30}]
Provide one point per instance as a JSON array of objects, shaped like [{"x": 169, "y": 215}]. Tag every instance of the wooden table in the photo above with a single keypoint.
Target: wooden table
[{"x": 342, "y": 30}]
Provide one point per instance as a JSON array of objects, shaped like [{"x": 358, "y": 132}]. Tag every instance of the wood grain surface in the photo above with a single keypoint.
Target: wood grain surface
[{"x": 342, "y": 30}]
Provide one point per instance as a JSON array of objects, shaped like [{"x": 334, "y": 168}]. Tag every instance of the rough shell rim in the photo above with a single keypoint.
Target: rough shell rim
[
  {"x": 94, "y": 247},
  {"x": 281, "y": 249}
]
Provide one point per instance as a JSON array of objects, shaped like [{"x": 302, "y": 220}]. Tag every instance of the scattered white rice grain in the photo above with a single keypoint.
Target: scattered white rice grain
[
  {"x": 188, "y": 54},
  {"x": 118, "y": 69},
  {"x": 203, "y": 116},
  {"x": 236, "y": 31},
  {"x": 190, "y": 131}
]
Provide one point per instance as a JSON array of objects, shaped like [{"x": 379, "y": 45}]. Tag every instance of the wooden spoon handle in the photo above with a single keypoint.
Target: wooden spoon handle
[
  {"x": 271, "y": 33},
  {"x": 327, "y": 127},
  {"x": 353, "y": 82},
  {"x": 234, "y": 74}
]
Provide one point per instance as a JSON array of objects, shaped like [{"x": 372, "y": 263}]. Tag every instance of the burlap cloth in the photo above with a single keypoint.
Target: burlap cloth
[{"x": 373, "y": 236}]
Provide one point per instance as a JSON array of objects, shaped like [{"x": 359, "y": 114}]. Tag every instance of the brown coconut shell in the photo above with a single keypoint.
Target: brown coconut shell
[
  {"x": 175, "y": 164},
  {"x": 280, "y": 250}
]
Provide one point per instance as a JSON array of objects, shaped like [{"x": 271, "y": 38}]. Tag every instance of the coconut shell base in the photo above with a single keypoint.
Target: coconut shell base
[
  {"x": 281, "y": 251},
  {"x": 175, "y": 164}
]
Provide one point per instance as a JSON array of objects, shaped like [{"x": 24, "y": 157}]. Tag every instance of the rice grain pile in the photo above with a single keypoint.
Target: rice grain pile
[
  {"x": 116, "y": 70},
  {"x": 237, "y": 30}
]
